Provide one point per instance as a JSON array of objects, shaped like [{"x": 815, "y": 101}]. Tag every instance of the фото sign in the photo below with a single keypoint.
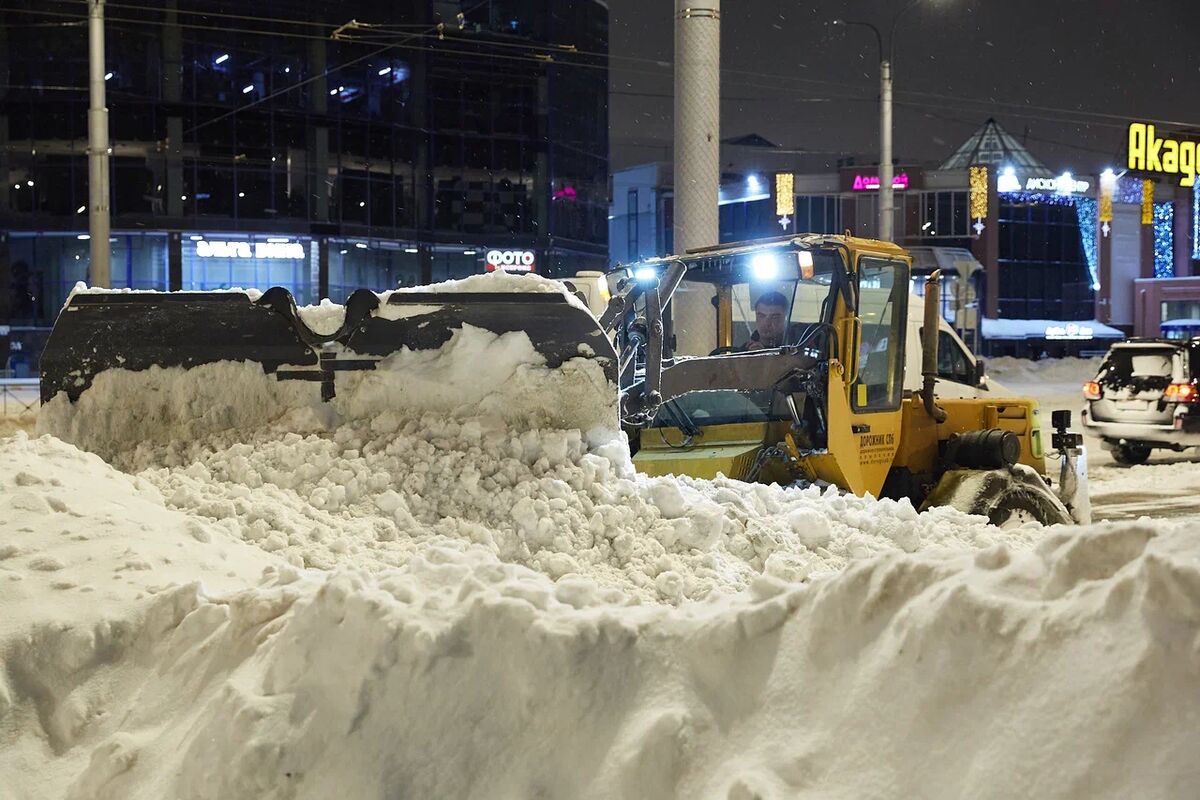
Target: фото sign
[
  {"x": 224, "y": 249},
  {"x": 870, "y": 183},
  {"x": 510, "y": 260},
  {"x": 1149, "y": 152}
]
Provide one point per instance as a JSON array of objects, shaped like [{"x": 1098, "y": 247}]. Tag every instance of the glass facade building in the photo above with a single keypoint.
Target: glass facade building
[{"x": 282, "y": 144}]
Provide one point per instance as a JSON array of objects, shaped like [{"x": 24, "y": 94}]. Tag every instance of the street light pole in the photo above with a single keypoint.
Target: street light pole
[
  {"x": 887, "y": 216},
  {"x": 99, "y": 271}
]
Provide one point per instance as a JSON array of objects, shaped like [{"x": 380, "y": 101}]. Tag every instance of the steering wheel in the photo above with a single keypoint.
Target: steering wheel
[{"x": 720, "y": 351}]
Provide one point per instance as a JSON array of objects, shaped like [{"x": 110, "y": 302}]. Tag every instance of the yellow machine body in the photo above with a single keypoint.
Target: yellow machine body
[{"x": 864, "y": 446}]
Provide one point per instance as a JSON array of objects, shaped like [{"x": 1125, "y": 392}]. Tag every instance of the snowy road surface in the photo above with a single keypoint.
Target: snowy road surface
[{"x": 1163, "y": 488}]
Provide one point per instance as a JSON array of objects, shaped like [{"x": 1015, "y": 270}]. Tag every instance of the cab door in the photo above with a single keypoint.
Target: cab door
[{"x": 865, "y": 416}]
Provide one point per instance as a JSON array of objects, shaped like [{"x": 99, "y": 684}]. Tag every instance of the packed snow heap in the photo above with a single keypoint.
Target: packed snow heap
[{"x": 448, "y": 599}]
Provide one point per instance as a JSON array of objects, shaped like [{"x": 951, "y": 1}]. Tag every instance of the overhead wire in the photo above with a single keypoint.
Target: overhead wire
[
  {"x": 852, "y": 92},
  {"x": 1062, "y": 114}
]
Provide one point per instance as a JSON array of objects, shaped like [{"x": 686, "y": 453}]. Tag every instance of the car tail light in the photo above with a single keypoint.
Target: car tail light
[
  {"x": 1091, "y": 390},
  {"x": 1182, "y": 393}
]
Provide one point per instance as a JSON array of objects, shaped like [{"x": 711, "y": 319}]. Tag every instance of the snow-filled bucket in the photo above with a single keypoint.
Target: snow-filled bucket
[{"x": 122, "y": 368}]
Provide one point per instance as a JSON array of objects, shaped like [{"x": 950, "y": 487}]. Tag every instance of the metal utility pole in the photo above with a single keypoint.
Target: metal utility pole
[
  {"x": 887, "y": 52},
  {"x": 697, "y": 122},
  {"x": 100, "y": 273},
  {"x": 887, "y": 214}
]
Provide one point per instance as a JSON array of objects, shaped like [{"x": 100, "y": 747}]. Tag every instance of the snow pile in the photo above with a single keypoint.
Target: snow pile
[
  {"x": 143, "y": 660},
  {"x": 560, "y": 502},
  {"x": 498, "y": 282}
]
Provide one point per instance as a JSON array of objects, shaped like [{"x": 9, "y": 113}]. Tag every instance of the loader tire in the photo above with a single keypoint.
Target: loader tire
[
  {"x": 1007, "y": 497},
  {"x": 1131, "y": 454}
]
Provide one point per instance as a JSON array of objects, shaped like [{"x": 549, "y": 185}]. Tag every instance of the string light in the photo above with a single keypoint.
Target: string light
[
  {"x": 1039, "y": 198},
  {"x": 785, "y": 194},
  {"x": 1196, "y": 222},
  {"x": 1147, "y": 202},
  {"x": 1164, "y": 240},
  {"x": 1129, "y": 191},
  {"x": 1108, "y": 185},
  {"x": 979, "y": 192},
  {"x": 1086, "y": 210}
]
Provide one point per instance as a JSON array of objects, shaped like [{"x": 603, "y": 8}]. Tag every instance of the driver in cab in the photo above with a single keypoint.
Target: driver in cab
[{"x": 770, "y": 322}]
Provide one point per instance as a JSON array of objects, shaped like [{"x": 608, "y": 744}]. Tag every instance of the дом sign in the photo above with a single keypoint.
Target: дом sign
[{"x": 870, "y": 183}]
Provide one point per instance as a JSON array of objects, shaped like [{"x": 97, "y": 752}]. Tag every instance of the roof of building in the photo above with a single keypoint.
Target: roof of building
[{"x": 991, "y": 144}]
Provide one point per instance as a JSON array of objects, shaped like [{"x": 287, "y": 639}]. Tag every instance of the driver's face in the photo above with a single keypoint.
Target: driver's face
[{"x": 770, "y": 322}]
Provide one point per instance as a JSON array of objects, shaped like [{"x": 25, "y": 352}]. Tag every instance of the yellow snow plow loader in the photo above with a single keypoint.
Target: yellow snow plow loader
[
  {"x": 784, "y": 360},
  {"x": 774, "y": 361}
]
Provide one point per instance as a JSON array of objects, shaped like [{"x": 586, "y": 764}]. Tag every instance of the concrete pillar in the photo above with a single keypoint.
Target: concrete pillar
[
  {"x": 4, "y": 81},
  {"x": 426, "y": 256},
  {"x": 1182, "y": 255},
  {"x": 697, "y": 122},
  {"x": 1104, "y": 273},
  {"x": 174, "y": 261},
  {"x": 5, "y": 284},
  {"x": 172, "y": 88},
  {"x": 986, "y": 248},
  {"x": 1147, "y": 250},
  {"x": 544, "y": 167},
  {"x": 323, "y": 271},
  {"x": 318, "y": 135}
]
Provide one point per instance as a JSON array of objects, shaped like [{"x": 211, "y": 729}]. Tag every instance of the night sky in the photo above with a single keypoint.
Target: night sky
[{"x": 1062, "y": 74}]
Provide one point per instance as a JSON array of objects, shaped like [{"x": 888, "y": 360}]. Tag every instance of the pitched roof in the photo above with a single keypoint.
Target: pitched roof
[
  {"x": 750, "y": 140},
  {"x": 991, "y": 144}
]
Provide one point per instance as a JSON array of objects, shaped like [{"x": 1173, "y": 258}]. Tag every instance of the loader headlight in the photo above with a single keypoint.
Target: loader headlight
[
  {"x": 765, "y": 267},
  {"x": 645, "y": 274}
]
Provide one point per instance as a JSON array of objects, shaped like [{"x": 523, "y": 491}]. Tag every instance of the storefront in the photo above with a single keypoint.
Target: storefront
[{"x": 1051, "y": 250}]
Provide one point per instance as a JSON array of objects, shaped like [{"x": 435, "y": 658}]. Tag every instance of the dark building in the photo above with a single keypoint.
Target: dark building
[{"x": 278, "y": 143}]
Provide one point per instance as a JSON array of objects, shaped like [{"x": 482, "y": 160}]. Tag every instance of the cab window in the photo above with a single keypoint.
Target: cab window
[
  {"x": 882, "y": 303},
  {"x": 954, "y": 364},
  {"x": 768, "y": 314}
]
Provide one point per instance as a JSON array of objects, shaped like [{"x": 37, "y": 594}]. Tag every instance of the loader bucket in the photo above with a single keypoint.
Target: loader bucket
[{"x": 120, "y": 368}]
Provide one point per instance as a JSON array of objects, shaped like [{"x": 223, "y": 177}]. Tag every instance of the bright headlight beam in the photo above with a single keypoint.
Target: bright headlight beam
[
  {"x": 765, "y": 267},
  {"x": 645, "y": 274}
]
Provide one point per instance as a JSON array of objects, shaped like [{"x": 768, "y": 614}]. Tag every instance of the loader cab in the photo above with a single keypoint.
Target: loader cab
[{"x": 844, "y": 322}]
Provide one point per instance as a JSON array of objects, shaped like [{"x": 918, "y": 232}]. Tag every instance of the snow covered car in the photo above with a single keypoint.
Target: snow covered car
[{"x": 1145, "y": 396}]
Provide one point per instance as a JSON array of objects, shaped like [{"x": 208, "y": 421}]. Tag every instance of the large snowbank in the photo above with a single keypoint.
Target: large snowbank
[
  {"x": 459, "y": 587},
  {"x": 143, "y": 659}
]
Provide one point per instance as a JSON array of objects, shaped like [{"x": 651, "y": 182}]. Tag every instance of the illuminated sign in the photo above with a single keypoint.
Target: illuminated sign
[
  {"x": 1063, "y": 184},
  {"x": 223, "y": 249},
  {"x": 1008, "y": 181},
  {"x": 510, "y": 260},
  {"x": 1070, "y": 331},
  {"x": 870, "y": 183},
  {"x": 1150, "y": 153}
]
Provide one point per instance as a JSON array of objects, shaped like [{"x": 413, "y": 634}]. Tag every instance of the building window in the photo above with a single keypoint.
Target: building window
[
  {"x": 817, "y": 214},
  {"x": 944, "y": 215},
  {"x": 1043, "y": 268}
]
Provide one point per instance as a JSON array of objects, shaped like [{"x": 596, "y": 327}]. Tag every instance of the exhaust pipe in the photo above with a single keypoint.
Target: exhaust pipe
[{"x": 929, "y": 344}]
